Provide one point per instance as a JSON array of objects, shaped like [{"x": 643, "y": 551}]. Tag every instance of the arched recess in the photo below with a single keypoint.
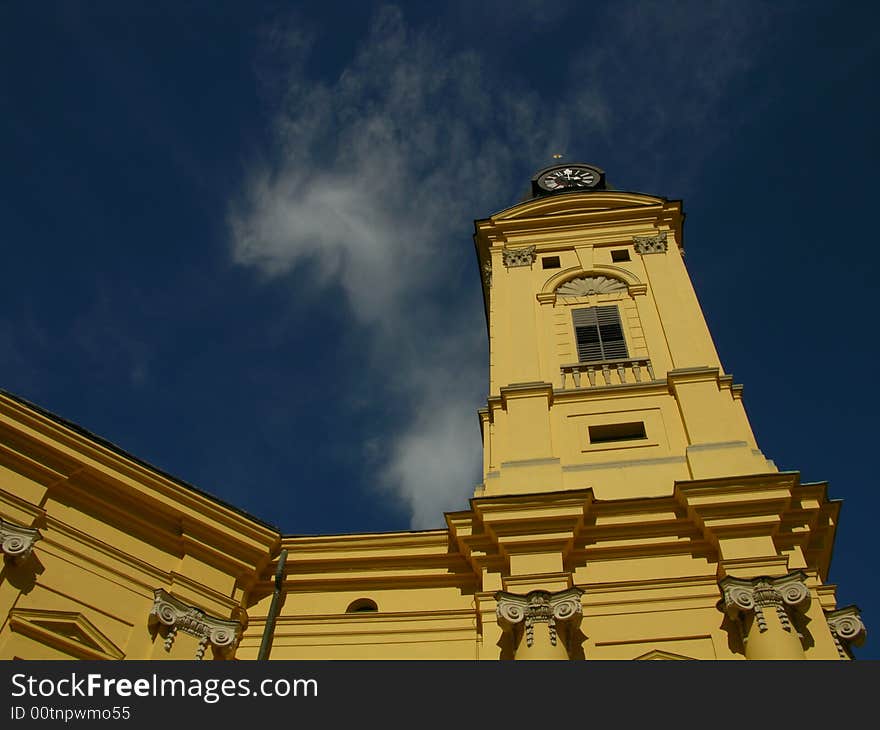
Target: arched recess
[
  {"x": 548, "y": 292},
  {"x": 362, "y": 605}
]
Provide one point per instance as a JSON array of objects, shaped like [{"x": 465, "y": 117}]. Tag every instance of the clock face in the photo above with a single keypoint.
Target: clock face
[{"x": 568, "y": 178}]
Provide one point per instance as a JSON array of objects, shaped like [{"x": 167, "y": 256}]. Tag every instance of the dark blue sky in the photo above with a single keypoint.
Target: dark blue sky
[{"x": 199, "y": 201}]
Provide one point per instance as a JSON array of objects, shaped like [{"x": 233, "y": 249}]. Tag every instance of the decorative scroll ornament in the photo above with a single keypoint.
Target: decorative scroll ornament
[
  {"x": 16, "y": 542},
  {"x": 513, "y": 257},
  {"x": 650, "y": 244},
  {"x": 538, "y": 606},
  {"x": 847, "y": 629},
  {"x": 591, "y": 285},
  {"x": 487, "y": 273},
  {"x": 761, "y": 594},
  {"x": 180, "y": 616}
]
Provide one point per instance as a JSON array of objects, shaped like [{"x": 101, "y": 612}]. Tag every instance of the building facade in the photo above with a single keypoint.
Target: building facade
[{"x": 625, "y": 512}]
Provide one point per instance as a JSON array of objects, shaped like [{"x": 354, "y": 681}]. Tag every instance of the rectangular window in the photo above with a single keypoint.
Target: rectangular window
[
  {"x": 599, "y": 334},
  {"x": 550, "y": 262},
  {"x": 620, "y": 255},
  {"x": 617, "y": 432}
]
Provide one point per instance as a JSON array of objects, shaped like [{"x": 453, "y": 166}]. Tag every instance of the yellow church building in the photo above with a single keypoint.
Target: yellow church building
[{"x": 625, "y": 509}]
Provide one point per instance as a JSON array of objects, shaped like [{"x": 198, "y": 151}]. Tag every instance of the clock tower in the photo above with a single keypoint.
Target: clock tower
[{"x": 603, "y": 373}]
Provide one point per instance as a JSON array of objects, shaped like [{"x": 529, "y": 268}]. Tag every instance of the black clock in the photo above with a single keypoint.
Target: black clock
[{"x": 567, "y": 178}]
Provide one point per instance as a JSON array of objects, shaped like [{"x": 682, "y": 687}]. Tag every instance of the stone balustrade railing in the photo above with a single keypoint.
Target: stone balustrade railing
[{"x": 606, "y": 372}]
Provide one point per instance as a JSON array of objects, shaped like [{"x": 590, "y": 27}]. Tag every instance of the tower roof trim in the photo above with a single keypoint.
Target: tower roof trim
[{"x": 587, "y": 202}]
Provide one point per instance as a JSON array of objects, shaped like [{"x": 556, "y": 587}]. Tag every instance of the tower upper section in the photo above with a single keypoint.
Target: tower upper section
[{"x": 601, "y": 362}]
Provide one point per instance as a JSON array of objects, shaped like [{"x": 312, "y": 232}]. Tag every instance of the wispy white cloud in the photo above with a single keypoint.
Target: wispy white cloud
[
  {"x": 380, "y": 174},
  {"x": 377, "y": 176}
]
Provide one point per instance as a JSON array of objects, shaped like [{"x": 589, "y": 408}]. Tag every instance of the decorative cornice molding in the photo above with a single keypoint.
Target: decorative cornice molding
[
  {"x": 16, "y": 542},
  {"x": 513, "y": 257},
  {"x": 525, "y": 390},
  {"x": 539, "y": 607},
  {"x": 650, "y": 244},
  {"x": 759, "y": 594},
  {"x": 847, "y": 629},
  {"x": 73, "y": 446},
  {"x": 179, "y": 616}
]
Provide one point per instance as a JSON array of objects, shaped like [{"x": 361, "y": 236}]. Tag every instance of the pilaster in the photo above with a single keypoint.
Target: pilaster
[
  {"x": 540, "y": 624},
  {"x": 765, "y": 610},
  {"x": 170, "y": 615},
  {"x": 847, "y": 629}
]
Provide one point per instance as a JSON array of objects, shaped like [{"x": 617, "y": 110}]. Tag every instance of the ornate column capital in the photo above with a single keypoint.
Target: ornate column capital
[
  {"x": 756, "y": 595},
  {"x": 16, "y": 542},
  {"x": 179, "y": 616},
  {"x": 487, "y": 273},
  {"x": 539, "y": 606},
  {"x": 847, "y": 629},
  {"x": 513, "y": 257},
  {"x": 650, "y": 244}
]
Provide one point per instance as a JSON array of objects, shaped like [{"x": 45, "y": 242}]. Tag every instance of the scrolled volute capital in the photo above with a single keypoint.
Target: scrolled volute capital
[
  {"x": 793, "y": 590},
  {"x": 847, "y": 628},
  {"x": 755, "y": 595},
  {"x": 562, "y": 607},
  {"x": 650, "y": 244},
  {"x": 511, "y": 609},
  {"x": 179, "y": 616},
  {"x": 566, "y": 605},
  {"x": 513, "y": 257},
  {"x": 16, "y": 541},
  {"x": 737, "y": 596}
]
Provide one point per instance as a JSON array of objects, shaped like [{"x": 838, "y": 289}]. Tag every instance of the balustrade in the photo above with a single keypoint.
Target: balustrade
[{"x": 607, "y": 372}]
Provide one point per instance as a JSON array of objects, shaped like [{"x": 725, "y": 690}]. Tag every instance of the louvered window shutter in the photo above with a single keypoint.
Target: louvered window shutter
[{"x": 599, "y": 334}]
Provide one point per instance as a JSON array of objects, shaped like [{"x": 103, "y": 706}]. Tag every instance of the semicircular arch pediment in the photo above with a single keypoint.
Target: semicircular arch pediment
[
  {"x": 600, "y": 279},
  {"x": 578, "y": 202}
]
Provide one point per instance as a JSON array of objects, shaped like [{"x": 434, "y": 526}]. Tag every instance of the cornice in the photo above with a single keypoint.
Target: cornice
[
  {"x": 699, "y": 374},
  {"x": 178, "y": 533},
  {"x": 373, "y": 560},
  {"x": 588, "y": 208},
  {"x": 525, "y": 390},
  {"x": 689, "y": 521},
  {"x": 595, "y": 590},
  {"x": 27, "y": 467},
  {"x": 364, "y": 541},
  {"x": 774, "y": 504},
  {"x": 365, "y": 580},
  {"x": 602, "y": 201},
  {"x": 371, "y": 618},
  {"x": 22, "y": 506},
  {"x": 646, "y": 387},
  {"x": 609, "y": 216},
  {"x": 63, "y": 449},
  {"x": 142, "y": 574}
]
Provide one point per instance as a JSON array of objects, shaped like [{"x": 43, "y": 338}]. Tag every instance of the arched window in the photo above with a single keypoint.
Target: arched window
[{"x": 362, "y": 605}]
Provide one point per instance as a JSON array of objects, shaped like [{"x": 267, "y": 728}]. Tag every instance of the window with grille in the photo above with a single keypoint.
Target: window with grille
[{"x": 599, "y": 334}]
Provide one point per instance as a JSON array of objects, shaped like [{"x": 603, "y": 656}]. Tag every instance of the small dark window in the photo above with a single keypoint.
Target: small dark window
[
  {"x": 550, "y": 262},
  {"x": 620, "y": 255},
  {"x": 362, "y": 605},
  {"x": 599, "y": 334},
  {"x": 617, "y": 432}
]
